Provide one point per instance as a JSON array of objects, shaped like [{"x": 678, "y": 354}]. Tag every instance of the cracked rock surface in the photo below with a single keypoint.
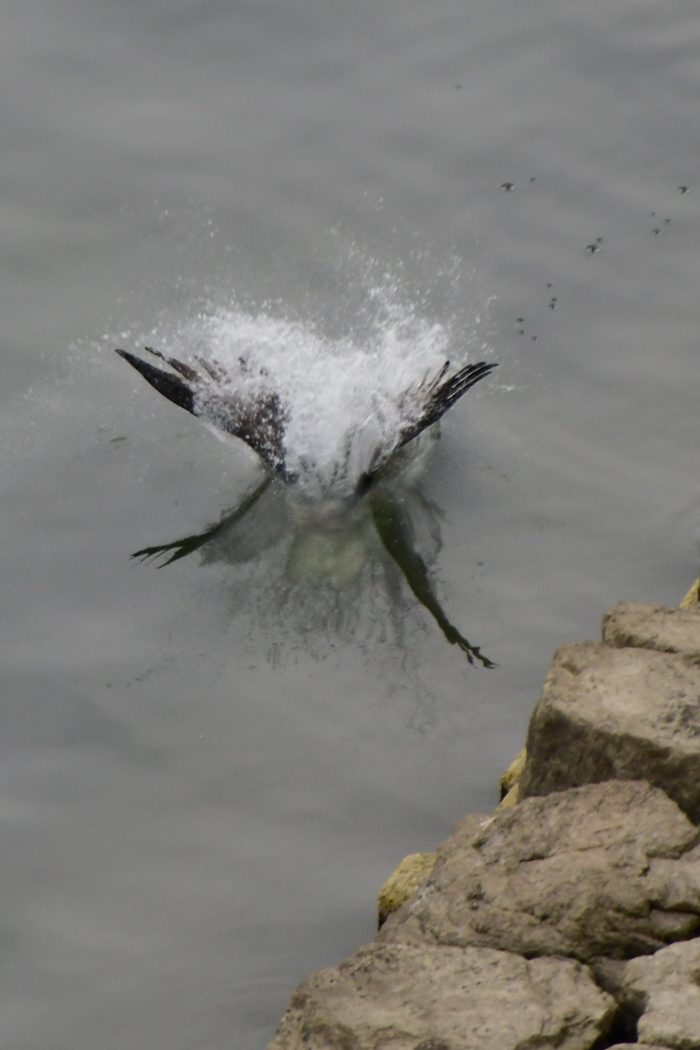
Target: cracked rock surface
[
  {"x": 602, "y": 870},
  {"x": 406, "y": 998},
  {"x": 664, "y": 992},
  {"x": 617, "y": 713},
  {"x": 646, "y": 625}
]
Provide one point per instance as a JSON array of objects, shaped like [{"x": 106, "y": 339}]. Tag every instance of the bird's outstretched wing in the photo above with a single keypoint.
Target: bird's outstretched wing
[
  {"x": 423, "y": 407},
  {"x": 439, "y": 396},
  {"x": 259, "y": 421}
]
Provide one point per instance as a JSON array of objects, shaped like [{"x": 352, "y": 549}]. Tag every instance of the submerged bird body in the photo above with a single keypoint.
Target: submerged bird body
[{"x": 261, "y": 418}]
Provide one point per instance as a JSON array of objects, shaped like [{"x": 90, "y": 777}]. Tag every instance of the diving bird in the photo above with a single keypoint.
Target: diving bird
[{"x": 259, "y": 416}]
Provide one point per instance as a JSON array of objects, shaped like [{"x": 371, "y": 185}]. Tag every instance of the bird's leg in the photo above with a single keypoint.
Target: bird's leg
[
  {"x": 395, "y": 531},
  {"x": 189, "y": 544}
]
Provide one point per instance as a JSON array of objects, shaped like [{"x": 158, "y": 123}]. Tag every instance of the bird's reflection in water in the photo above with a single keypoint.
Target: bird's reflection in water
[{"x": 328, "y": 545}]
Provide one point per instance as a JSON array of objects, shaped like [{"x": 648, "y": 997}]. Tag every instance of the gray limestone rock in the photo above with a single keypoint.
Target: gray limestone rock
[
  {"x": 608, "y": 713},
  {"x": 644, "y": 625},
  {"x": 407, "y": 998},
  {"x": 663, "y": 990},
  {"x": 602, "y": 870}
]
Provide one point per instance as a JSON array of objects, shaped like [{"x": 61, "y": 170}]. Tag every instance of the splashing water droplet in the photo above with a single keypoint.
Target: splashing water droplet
[{"x": 343, "y": 398}]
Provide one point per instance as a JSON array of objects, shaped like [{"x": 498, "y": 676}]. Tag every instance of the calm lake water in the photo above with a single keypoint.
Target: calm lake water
[{"x": 208, "y": 769}]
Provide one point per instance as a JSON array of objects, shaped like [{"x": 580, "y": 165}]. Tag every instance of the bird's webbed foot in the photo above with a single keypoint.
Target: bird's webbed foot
[{"x": 189, "y": 544}]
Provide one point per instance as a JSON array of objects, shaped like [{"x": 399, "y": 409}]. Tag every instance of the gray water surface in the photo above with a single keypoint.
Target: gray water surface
[{"x": 205, "y": 772}]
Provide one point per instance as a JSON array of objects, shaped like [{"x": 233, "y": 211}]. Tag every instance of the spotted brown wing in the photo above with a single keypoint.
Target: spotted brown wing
[
  {"x": 443, "y": 395},
  {"x": 259, "y": 421}
]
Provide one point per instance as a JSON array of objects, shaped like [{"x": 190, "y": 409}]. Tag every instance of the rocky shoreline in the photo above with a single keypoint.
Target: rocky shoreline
[{"x": 570, "y": 917}]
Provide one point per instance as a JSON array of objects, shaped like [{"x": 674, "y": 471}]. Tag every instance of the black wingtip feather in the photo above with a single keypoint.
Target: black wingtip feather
[
  {"x": 444, "y": 396},
  {"x": 166, "y": 384}
]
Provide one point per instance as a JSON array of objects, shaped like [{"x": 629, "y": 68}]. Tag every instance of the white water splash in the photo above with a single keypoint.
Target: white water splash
[{"x": 344, "y": 398}]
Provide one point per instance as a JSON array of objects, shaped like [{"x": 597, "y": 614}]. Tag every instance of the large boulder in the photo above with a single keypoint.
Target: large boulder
[
  {"x": 645, "y": 625},
  {"x": 424, "y": 998},
  {"x": 608, "y": 713},
  {"x": 663, "y": 991},
  {"x": 603, "y": 870}
]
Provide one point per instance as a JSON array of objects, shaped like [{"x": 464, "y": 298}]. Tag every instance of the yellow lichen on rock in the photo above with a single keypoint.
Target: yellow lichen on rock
[
  {"x": 512, "y": 775},
  {"x": 403, "y": 883},
  {"x": 693, "y": 595}
]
